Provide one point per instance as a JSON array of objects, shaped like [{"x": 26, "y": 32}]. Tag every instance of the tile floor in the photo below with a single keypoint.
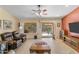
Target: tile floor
[{"x": 57, "y": 46}]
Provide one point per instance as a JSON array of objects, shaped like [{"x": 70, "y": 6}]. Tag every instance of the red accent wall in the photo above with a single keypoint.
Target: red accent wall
[{"x": 70, "y": 18}]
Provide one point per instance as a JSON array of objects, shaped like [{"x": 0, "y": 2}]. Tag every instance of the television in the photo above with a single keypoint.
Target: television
[{"x": 74, "y": 27}]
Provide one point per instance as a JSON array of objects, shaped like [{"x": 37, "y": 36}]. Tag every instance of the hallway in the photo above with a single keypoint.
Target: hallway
[{"x": 57, "y": 46}]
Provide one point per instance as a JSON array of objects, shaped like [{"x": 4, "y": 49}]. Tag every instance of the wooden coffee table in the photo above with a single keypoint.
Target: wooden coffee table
[{"x": 40, "y": 48}]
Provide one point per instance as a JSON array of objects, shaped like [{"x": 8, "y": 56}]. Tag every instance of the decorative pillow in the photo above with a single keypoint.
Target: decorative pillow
[
  {"x": 8, "y": 39},
  {"x": 17, "y": 35}
]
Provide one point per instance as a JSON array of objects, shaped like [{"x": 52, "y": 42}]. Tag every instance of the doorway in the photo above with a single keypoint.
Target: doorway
[{"x": 47, "y": 30}]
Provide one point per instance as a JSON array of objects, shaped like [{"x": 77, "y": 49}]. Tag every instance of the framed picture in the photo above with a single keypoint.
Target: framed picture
[
  {"x": 30, "y": 27},
  {"x": 7, "y": 24}
]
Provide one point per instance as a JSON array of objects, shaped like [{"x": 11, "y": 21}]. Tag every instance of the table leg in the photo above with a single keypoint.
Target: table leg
[
  {"x": 31, "y": 51},
  {"x": 49, "y": 51}
]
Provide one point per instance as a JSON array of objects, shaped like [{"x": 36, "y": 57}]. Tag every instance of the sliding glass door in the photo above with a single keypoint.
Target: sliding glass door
[{"x": 47, "y": 30}]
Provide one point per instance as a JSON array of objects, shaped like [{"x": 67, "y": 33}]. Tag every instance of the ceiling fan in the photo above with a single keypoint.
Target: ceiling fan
[{"x": 40, "y": 11}]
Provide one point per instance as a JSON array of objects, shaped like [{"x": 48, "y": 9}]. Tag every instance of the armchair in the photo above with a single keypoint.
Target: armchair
[{"x": 18, "y": 36}]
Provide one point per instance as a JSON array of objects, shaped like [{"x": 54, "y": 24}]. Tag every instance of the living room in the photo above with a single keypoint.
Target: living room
[{"x": 22, "y": 26}]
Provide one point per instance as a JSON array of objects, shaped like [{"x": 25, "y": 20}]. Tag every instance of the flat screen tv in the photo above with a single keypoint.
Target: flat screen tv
[{"x": 74, "y": 27}]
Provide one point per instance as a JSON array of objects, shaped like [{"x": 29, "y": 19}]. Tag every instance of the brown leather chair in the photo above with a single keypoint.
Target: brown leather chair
[
  {"x": 12, "y": 43},
  {"x": 23, "y": 37},
  {"x": 18, "y": 36}
]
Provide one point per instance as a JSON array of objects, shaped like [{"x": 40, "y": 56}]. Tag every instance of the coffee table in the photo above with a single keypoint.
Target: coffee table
[{"x": 40, "y": 48}]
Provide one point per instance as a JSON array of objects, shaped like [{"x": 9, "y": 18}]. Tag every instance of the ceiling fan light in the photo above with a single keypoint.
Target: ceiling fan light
[
  {"x": 44, "y": 10},
  {"x": 37, "y": 14},
  {"x": 44, "y": 13}
]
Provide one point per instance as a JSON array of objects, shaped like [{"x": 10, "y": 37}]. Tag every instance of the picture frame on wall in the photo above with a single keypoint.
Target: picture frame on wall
[
  {"x": 7, "y": 24},
  {"x": 30, "y": 27}
]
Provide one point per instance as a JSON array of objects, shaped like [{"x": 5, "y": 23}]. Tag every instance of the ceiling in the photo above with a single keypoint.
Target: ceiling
[{"x": 25, "y": 11}]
